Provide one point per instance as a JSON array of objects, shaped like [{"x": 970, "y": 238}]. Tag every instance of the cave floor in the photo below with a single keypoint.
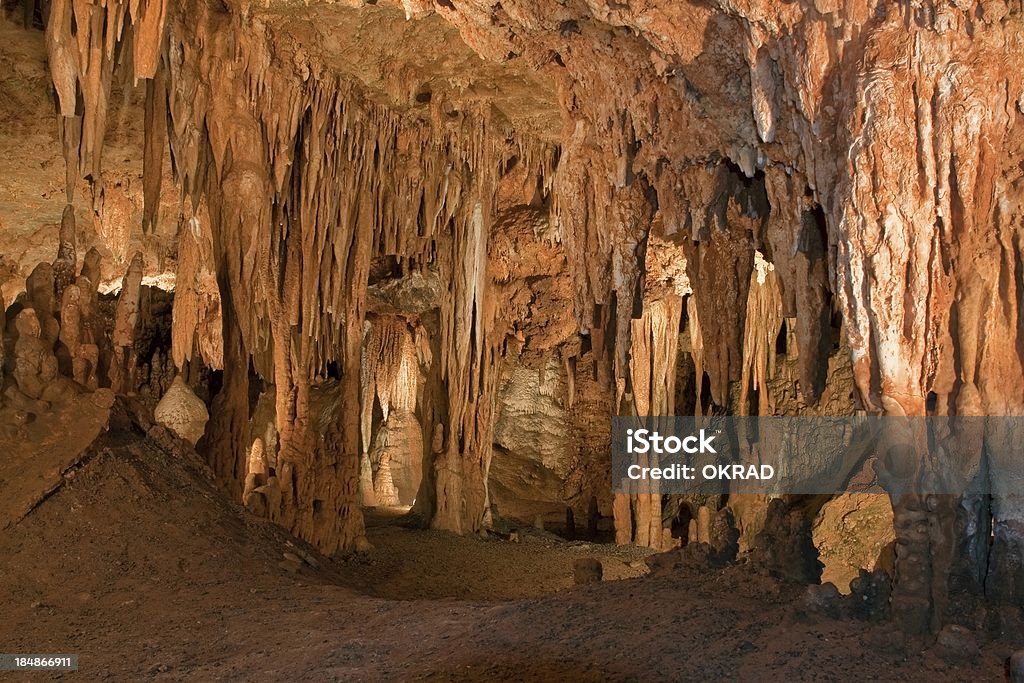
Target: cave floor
[
  {"x": 138, "y": 564},
  {"x": 413, "y": 564}
]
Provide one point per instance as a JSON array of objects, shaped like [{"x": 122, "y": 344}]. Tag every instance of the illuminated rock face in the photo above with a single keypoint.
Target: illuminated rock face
[{"x": 802, "y": 208}]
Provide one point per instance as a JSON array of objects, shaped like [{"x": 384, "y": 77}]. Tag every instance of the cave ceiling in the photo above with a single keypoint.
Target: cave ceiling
[{"x": 410, "y": 66}]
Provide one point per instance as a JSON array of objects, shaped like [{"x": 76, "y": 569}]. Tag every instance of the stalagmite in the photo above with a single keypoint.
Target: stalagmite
[
  {"x": 126, "y": 320},
  {"x": 260, "y": 495},
  {"x": 368, "y": 494},
  {"x": 87, "y": 361},
  {"x": 382, "y": 482},
  {"x": 256, "y": 469},
  {"x": 703, "y": 524},
  {"x": 71, "y": 336},
  {"x": 91, "y": 266},
  {"x": 35, "y": 366},
  {"x": 40, "y": 287},
  {"x": 65, "y": 267},
  {"x": 181, "y": 411}
]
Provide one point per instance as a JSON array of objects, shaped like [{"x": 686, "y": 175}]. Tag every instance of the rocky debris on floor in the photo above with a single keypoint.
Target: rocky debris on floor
[
  {"x": 957, "y": 644},
  {"x": 868, "y": 599},
  {"x": 587, "y": 570},
  {"x": 720, "y": 548}
]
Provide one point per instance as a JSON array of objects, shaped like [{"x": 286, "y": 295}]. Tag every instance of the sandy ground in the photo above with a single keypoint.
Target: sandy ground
[{"x": 140, "y": 566}]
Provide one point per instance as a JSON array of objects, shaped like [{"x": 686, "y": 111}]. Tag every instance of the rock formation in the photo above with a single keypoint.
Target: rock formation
[
  {"x": 65, "y": 267},
  {"x": 40, "y": 291},
  {"x": 181, "y": 411},
  {"x": 126, "y": 320},
  {"x": 83, "y": 355},
  {"x": 784, "y": 546},
  {"x": 35, "y": 366},
  {"x": 197, "y": 318},
  {"x": 91, "y": 266},
  {"x": 63, "y": 342}
]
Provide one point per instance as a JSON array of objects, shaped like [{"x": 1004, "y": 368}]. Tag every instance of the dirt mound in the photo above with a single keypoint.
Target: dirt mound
[
  {"x": 38, "y": 452},
  {"x": 134, "y": 544}
]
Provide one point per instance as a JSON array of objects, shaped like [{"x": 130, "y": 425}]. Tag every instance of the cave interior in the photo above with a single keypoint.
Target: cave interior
[{"x": 368, "y": 280}]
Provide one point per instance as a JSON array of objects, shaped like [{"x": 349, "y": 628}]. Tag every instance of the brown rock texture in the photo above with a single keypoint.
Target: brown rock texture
[{"x": 389, "y": 209}]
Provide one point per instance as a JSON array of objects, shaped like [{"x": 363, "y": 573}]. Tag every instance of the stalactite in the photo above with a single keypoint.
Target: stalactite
[
  {"x": 696, "y": 350},
  {"x": 330, "y": 206},
  {"x": 654, "y": 342},
  {"x": 84, "y": 41},
  {"x": 155, "y": 143},
  {"x": 720, "y": 260},
  {"x": 569, "y": 364},
  {"x": 389, "y": 375},
  {"x": 70, "y": 128},
  {"x": 798, "y": 252},
  {"x": 196, "y": 326},
  {"x": 881, "y": 136},
  {"x": 760, "y": 332},
  {"x": 389, "y": 372},
  {"x": 908, "y": 219},
  {"x": 63, "y": 59},
  {"x": 469, "y": 362}
]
